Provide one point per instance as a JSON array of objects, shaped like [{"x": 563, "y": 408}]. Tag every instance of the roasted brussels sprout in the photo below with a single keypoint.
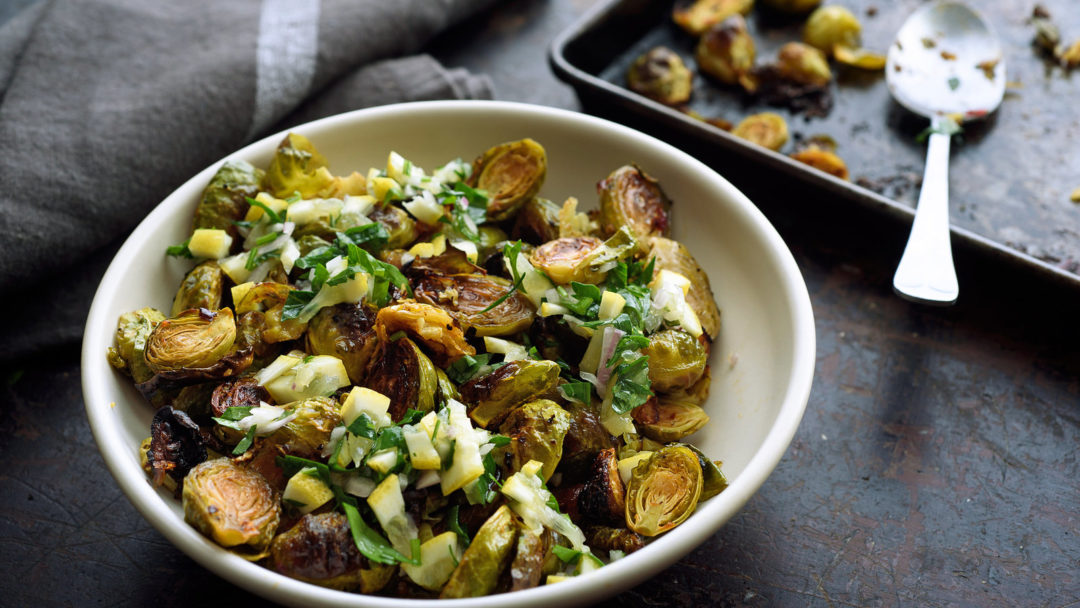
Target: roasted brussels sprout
[
  {"x": 726, "y": 51},
  {"x": 176, "y": 445},
  {"x": 696, "y": 16},
  {"x": 269, "y": 298},
  {"x": 320, "y": 550},
  {"x": 132, "y": 331},
  {"x": 822, "y": 160},
  {"x": 467, "y": 297},
  {"x": 536, "y": 432},
  {"x": 714, "y": 480},
  {"x": 308, "y": 433},
  {"x": 663, "y": 491},
  {"x": 430, "y": 325},
  {"x": 327, "y": 227},
  {"x": 402, "y": 372},
  {"x": 485, "y": 559},
  {"x": 402, "y": 228},
  {"x": 767, "y": 129},
  {"x": 201, "y": 288},
  {"x": 605, "y": 538},
  {"x": 231, "y": 505},
  {"x": 603, "y": 497},
  {"x": 661, "y": 75},
  {"x": 672, "y": 255},
  {"x": 346, "y": 331},
  {"x": 862, "y": 58},
  {"x": 561, "y": 259},
  {"x": 491, "y": 397},
  {"x": 629, "y": 197},
  {"x": 194, "y": 400},
  {"x": 511, "y": 174},
  {"x": 594, "y": 266},
  {"x": 165, "y": 385},
  {"x": 528, "y": 564},
  {"x": 452, "y": 261},
  {"x": 241, "y": 392},
  {"x": 831, "y": 26},
  {"x": 195, "y": 338},
  {"x": 803, "y": 64},
  {"x": 224, "y": 201},
  {"x": 793, "y": 6},
  {"x": 675, "y": 420},
  {"x": 676, "y": 360},
  {"x": 537, "y": 222},
  {"x": 297, "y": 167},
  {"x": 584, "y": 439},
  {"x": 489, "y": 238}
]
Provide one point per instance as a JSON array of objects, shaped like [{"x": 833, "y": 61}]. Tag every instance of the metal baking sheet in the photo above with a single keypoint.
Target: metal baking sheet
[{"x": 1011, "y": 175}]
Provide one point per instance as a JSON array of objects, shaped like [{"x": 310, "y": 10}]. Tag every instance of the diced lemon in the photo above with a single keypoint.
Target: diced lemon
[
  {"x": 239, "y": 291},
  {"x": 547, "y": 309},
  {"x": 379, "y": 186},
  {"x": 422, "y": 453},
  {"x": 611, "y": 304},
  {"x": 468, "y": 247},
  {"x": 383, "y": 461},
  {"x": 423, "y": 250},
  {"x": 556, "y": 578},
  {"x": 467, "y": 464},
  {"x": 255, "y": 212},
  {"x": 439, "y": 243},
  {"x": 512, "y": 350},
  {"x": 319, "y": 376},
  {"x": 210, "y": 243},
  {"x": 425, "y": 208},
  {"x": 439, "y": 557},
  {"x": 388, "y": 505},
  {"x": 308, "y": 490},
  {"x": 235, "y": 267},
  {"x": 363, "y": 400}
]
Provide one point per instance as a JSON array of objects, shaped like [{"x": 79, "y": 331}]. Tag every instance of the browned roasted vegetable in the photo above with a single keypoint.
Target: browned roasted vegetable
[
  {"x": 452, "y": 261},
  {"x": 163, "y": 386},
  {"x": 603, "y": 499},
  {"x": 536, "y": 432},
  {"x": 695, "y": 393},
  {"x": 831, "y": 26},
  {"x": 537, "y": 222},
  {"x": 485, "y": 559},
  {"x": 346, "y": 331},
  {"x": 676, "y": 419},
  {"x": 241, "y": 392},
  {"x": 176, "y": 445},
  {"x": 194, "y": 400},
  {"x": 584, "y": 439},
  {"x": 402, "y": 372},
  {"x": 231, "y": 504},
  {"x": 132, "y": 331},
  {"x": 696, "y": 16},
  {"x": 767, "y": 129},
  {"x": 224, "y": 201},
  {"x": 629, "y": 197},
  {"x": 714, "y": 481},
  {"x": 606, "y": 538},
  {"x": 467, "y": 296},
  {"x": 320, "y": 550},
  {"x": 726, "y": 51},
  {"x": 511, "y": 174},
  {"x": 672, "y": 255},
  {"x": 661, "y": 75},
  {"x": 201, "y": 288},
  {"x": 194, "y": 338},
  {"x": 249, "y": 335},
  {"x": 528, "y": 564},
  {"x": 490, "y": 398},
  {"x": 803, "y": 64},
  {"x": 402, "y": 228},
  {"x": 269, "y": 297},
  {"x": 822, "y": 160},
  {"x": 793, "y": 6},
  {"x": 430, "y": 325},
  {"x": 663, "y": 491},
  {"x": 561, "y": 259},
  {"x": 297, "y": 167},
  {"x": 676, "y": 360},
  {"x": 308, "y": 433}
]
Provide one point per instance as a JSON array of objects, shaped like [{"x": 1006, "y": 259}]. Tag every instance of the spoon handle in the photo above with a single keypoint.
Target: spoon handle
[{"x": 926, "y": 272}]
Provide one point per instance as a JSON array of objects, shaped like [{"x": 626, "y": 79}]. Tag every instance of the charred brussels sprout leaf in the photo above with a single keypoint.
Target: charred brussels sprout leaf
[
  {"x": 402, "y": 372},
  {"x": 537, "y": 222},
  {"x": 714, "y": 480},
  {"x": 485, "y": 559},
  {"x": 527, "y": 567},
  {"x": 320, "y": 550},
  {"x": 467, "y": 297},
  {"x": 511, "y": 174},
  {"x": 672, "y": 255},
  {"x": 230, "y": 504},
  {"x": 491, "y": 397},
  {"x": 674, "y": 421},
  {"x": 176, "y": 445},
  {"x": 661, "y": 75},
  {"x": 400, "y": 228},
  {"x": 536, "y": 432},
  {"x": 430, "y": 325},
  {"x": 132, "y": 331},
  {"x": 346, "y": 331},
  {"x": 676, "y": 360},
  {"x": 297, "y": 167},
  {"x": 663, "y": 491},
  {"x": 224, "y": 201},
  {"x": 201, "y": 288},
  {"x": 822, "y": 160},
  {"x": 195, "y": 338},
  {"x": 584, "y": 439},
  {"x": 696, "y": 16},
  {"x": 242, "y": 392},
  {"x": 767, "y": 129},
  {"x": 602, "y": 499},
  {"x": 629, "y": 197},
  {"x": 726, "y": 51},
  {"x": 605, "y": 538}
]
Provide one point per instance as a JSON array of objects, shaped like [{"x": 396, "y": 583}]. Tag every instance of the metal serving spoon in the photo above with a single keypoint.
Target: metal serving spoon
[{"x": 946, "y": 65}]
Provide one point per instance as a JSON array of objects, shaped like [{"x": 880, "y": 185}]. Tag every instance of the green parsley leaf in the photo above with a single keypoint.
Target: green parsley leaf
[
  {"x": 511, "y": 251},
  {"x": 372, "y": 237},
  {"x": 454, "y": 525},
  {"x": 371, "y": 544},
  {"x": 363, "y": 426},
  {"x": 632, "y": 386},
  {"x": 577, "y": 391},
  {"x": 464, "y": 368},
  {"x": 295, "y": 303},
  {"x": 270, "y": 213},
  {"x": 246, "y": 442},
  {"x": 180, "y": 251},
  {"x": 397, "y": 335}
]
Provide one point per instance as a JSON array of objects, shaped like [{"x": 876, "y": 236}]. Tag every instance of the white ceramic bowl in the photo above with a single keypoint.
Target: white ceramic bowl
[{"x": 762, "y": 365}]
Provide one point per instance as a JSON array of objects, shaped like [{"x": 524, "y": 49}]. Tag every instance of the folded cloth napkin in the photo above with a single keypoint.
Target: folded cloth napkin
[{"x": 106, "y": 106}]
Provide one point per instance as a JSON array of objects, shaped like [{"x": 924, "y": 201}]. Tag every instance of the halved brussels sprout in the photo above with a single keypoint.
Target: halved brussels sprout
[
  {"x": 452, "y": 261},
  {"x": 527, "y": 567},
  {"x": 224, "y": 201},
  {"x": 537, "y": 222},
  {"x": 307, "y": 244},
  {"x": 176, "y": 445},
  {"x": 269, "y": 297},
  {"x": 663, "y": 491},
  {"x": 584, "y": 439},
  {"x": 346, "y": 331},
  {"x": 594, "y": 266},
  {"x": 822, "y": 160},
  {"x": 675, "y": 420},
  {"x": 194, "y": 400},
  {"x": 696, "y": 393},
  {"x": 489, "y": 238},
  {"x": 467, "y": 296},
  {"x": 605, "y": 538},
  {"x": 297, "y": 167},
  {"x": 491, "y": 397},
  {"x": 308, "y": 433},
  {"x": 673, "y": 256},
  {"x": 803, "y": 64},
  {"x": 430, "y": 325},
  {"x": 831, "y": 26},
  {"x": 767, "y": 129},
  {"x": 536, "y": 432},
  {"x": 326, "y": 228},
  {"x": 726, "y": 51},
  {"x": 629, "y": 197},
  {"x": 661, "y": 75},
  {"x": 696, "y": 16},
  {"x": 241, "y": 392},
  {"x": 485, "y": 559},
  {"x": 320, "y": 550},
  {"x": 132, "y": 331},
  {"x": 676, "y": 360},
  {"x": 165, "y": 385},
  {"x": 401, "y": 227},
  {"x": 561, "y": 258},
  {"x": 195, "y": 338},
  {"x": 714, "y": 479},
  {"x": 511, "y": 174},
  {"x": 603, "y": 498},
  {"x": 201, "y": 288},
  {"x": 250, "y": 327},
  {"x": 402, "y": 372},
  {"x": 231, "y": 505}
]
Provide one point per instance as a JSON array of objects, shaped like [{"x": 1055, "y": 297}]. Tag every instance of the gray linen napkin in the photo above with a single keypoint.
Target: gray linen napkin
[{"x": 106, "y": 106}]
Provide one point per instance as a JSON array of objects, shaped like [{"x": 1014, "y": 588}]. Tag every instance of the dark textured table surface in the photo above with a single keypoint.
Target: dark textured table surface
[{"x": 935, "y": 466}]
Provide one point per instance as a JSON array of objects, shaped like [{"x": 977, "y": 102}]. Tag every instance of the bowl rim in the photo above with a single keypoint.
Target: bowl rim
[{"x": 615, "y": 577}]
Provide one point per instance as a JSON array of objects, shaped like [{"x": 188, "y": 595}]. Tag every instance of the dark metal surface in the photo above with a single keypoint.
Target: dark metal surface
[
  {"x": 1011, "y": 175},
  {"x": 935, "y": 466}
]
